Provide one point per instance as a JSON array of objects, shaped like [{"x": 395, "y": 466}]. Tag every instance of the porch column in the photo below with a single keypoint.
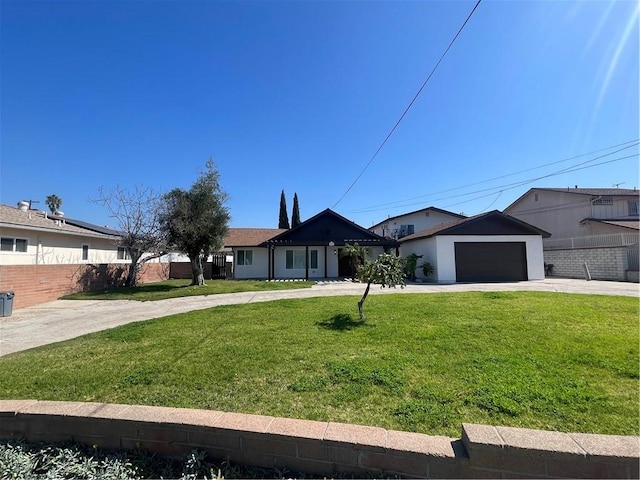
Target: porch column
[{"x": 306, "y": 262}]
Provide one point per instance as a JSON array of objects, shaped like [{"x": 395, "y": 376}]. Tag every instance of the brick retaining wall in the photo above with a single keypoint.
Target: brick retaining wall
[
  {"x": 35, "y": 284},
  {"x": 325, "y": 448}
]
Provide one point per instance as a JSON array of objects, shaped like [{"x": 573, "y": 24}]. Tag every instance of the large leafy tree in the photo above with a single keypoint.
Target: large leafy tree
[
  {"x": 387, "y": 270},
  {"x": 136, "y": 214},
  {"x": 295, "y": 214},
  {"x": 196, "y": 220},
  {"x": 283, "y": 220}
]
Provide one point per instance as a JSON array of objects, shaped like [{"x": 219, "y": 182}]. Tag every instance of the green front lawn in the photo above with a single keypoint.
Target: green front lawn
[
  {"x": 182, "y": 288},
  {"x": 420, "y": 362}
]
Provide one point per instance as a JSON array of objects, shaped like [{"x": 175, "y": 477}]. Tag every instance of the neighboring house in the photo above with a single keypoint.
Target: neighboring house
[
  {"x": 33, "y": 237},
  {"x": 310, "y": 250},
  {"x": 578, "y": 212},
  {"x": 595, "y": 231},
  {"x": 489, "y": 247},
  {"x": 43, "y": 257},
  {"x": 409, "y": 223}
]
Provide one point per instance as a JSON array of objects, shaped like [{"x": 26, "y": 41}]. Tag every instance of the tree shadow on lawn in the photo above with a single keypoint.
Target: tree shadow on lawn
[{"x": 342, "y": 321}]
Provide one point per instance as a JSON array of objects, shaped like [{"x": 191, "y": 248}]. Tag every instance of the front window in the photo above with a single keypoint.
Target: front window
[
  {"x": 123, "y": 254},
  {"x": 244, "y": 257},
  {"x": 603, "y": 201},
  {"x": 85, "y": 252},
  {"x": 8, "y": 244},
  {"x": 295, "y": 259},
  {"x": 313, "y": 260},
  {"x": 633, "y": 208}
]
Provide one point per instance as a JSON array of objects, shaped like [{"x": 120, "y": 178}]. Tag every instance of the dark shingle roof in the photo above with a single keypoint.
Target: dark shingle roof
[{"x": 489, "y": 223}]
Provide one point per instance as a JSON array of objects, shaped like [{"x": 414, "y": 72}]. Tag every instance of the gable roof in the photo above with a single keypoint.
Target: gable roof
[
  {"x": 328, "y": 226},
  {"x": 593, "y": 192},
  {"x": 12, "y": 217},
  {"x": 431, "y": 209},
  {"x": 490, "y": 223},
  {"x": 250, "y": 237},
  {"x": 608, "y": 192}
]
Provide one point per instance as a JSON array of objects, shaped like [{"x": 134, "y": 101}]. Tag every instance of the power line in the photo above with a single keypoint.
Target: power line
[
  {"x": 509, "y": 186},
  {"x": 409, "y": 106},
  {"x": 531, "y": 180},
  {"x": 396, "y": 202}
]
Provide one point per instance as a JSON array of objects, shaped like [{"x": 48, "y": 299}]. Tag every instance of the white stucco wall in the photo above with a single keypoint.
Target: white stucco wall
[
  {"x": 332, "y": 263},
  {"x": 440, "y": 252},
  {"x": 259, "y": 268},
  {"x": 51, "y": 248}
]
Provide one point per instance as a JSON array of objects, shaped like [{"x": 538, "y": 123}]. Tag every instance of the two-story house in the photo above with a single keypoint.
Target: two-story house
[
  {"x": 414, "y": 222},
  {"x": 594, "y": 231}
]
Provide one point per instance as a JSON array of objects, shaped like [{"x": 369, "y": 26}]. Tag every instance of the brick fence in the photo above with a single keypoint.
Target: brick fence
[
  {"x": 324, "y": 448},
  {"x": 35, "y": 284},
  {"x": 604, "y": 263}
]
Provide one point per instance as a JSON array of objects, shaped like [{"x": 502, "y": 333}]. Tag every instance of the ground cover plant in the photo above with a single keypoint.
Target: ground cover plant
[
  {"x": 419, "y": 362},
  {"x": 183, "y": 288},
  {"x": 76, "y": 461}
]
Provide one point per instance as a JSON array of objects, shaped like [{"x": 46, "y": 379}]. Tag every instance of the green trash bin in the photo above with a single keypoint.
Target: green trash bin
[{"x": 6, "y": 303}]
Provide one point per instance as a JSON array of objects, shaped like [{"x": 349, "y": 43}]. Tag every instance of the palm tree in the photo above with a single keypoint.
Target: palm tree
[{"x": 54, "y": 203}]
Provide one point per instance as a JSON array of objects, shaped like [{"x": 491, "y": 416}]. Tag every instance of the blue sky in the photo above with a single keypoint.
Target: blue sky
[{"x": 300, "y": 95}]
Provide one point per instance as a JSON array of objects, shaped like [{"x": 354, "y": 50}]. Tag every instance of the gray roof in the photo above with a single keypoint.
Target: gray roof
[
  {"x": 608, "y": 192},
  {"x": 12, "y": 217}
]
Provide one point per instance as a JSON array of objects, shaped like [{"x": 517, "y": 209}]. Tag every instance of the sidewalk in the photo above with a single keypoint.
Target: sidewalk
[{"x": 65, "y": 319}]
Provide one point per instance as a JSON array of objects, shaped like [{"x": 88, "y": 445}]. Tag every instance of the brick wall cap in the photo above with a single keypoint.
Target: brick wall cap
[
  {"x": 51, "y": 407},
  {"x": 298, "y": 428},
  {"x": 12, "y": 407},
  {"x": 549, "y": 441},
  {"x": 246, "y": 422},
  {"x": 433, "y": 446},
  {"x": 608, "y": 446},
  {"x": 356, "y": 434},
  {"x": 474, "y": 434}
]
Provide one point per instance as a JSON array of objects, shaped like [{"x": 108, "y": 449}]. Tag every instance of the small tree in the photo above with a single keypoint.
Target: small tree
[
  {"x": 54, "y": 203},
  {"x": 136, "y": 214},
  {"x": 357, "y": 255},
  {"x": 387, "y": 270},
  {"x": 283, "y": 221},
  {"x": 295, "y": 215},
  {"x": 196, "y": 220}
]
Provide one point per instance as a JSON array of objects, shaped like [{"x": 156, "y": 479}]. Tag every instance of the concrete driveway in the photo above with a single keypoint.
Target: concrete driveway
[{"x": 64, "y": 319}]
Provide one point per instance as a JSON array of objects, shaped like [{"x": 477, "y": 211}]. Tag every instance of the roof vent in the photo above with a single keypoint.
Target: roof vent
[{"x": 23, "y": 206}]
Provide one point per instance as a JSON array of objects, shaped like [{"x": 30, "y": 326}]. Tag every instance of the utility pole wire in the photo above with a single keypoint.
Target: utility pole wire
[{"x": 409, "y": 106}]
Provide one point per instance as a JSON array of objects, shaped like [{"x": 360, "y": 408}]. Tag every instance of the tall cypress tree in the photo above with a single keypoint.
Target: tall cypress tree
[
  {"x": 283, "y": 222},
  {"x": 295, "y": 215}
]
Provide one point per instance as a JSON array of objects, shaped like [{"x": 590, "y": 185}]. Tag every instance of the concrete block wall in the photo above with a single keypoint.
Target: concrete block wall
[
  {"x": 325, "y": 448},
  {"x": 35, "y": 284},
  {"x": 605, "y": 263}
]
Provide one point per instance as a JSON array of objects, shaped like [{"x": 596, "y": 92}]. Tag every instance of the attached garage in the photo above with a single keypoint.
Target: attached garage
[
  {"x": 491, "y": 261},
  {"x": 491, "y": 247}
]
